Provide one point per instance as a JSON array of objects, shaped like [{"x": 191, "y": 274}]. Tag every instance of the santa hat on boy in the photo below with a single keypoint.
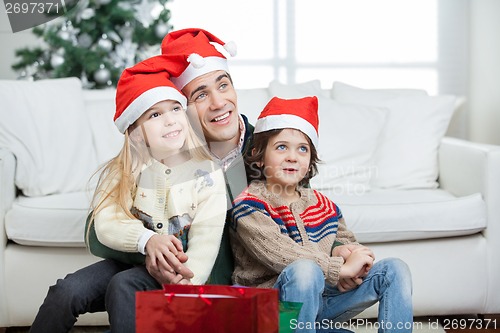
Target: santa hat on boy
[
  {"x": 143, "y": 85},
  {"x": 200, "y": 56},
  {"x": 300, "y": 114}
]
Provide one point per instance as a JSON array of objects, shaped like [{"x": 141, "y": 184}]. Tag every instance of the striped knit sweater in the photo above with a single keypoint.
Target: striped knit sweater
[{"x": 267, "y": 234}]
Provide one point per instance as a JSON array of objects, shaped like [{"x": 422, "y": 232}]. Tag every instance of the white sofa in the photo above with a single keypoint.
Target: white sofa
[{"x": 54, "y": 136}]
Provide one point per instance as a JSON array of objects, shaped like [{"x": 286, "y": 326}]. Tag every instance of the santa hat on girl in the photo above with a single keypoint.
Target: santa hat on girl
[
  {"x": 300, "y": 114},
  {"x": 143, "y": 85},
  {"x": 198, "y": 55}
]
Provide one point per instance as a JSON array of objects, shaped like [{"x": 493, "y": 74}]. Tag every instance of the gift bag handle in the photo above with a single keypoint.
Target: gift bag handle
[{"x": 201, "y": 292}]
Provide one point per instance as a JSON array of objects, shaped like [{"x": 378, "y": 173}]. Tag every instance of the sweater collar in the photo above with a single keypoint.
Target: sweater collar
[{"x": 258, "y": 188}]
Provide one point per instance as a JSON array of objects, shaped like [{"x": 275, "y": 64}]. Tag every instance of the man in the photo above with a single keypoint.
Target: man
[
  {"x": 204, "y": 79},
  {"x": 207, "y": 84}
]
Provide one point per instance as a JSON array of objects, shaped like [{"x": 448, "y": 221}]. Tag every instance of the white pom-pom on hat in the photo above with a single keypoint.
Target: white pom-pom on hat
[
  {"x": 197, "y": 60},
  {"x": 231, "y": 48}
]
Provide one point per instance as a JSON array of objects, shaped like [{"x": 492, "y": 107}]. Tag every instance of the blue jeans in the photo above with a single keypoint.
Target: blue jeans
[
  {"x": 326, "y": 309},
  {"x": 104, "y": 286}
]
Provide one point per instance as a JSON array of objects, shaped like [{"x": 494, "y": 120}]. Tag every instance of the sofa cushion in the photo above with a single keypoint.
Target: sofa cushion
[
  {"x": 407, "y": 155},
  {"x": 44, "y": 126},
  {"x": 52, "y": 220},
  {"x": 398, "y": 215}
]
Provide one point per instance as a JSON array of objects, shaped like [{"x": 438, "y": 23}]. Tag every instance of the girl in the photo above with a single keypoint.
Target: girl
[
  {"x": 293, "y": 238},
  {"x": 161, "y": 195},
  {"x": 163, "y": 186}
]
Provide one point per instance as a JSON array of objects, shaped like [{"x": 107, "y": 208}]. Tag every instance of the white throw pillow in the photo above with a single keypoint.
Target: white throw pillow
[
  {"x": 348, "y": 137},
  {"x": 340, "y": 88},
  {"x": 407, "y": 156},
  {"x": 100, "y": 110},
  {"x": 44, "y": 125},
  {"x": 298, "y": 90},
  {"x": 252, "y": 101}
]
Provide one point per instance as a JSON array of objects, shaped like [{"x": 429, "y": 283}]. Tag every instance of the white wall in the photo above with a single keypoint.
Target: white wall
[
  {"x": 484, "y": 104},
  {"x": 10, "y": 42},
  {"x": 484, "y": 99}
]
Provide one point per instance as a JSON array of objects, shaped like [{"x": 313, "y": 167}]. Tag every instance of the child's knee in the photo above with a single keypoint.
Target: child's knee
[
  {"x": 399, "y": 268},
  {"x": 397, "y": 271}
]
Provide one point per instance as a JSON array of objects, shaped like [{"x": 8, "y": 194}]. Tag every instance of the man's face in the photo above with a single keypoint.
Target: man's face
[{"x": 214, "y": 98}]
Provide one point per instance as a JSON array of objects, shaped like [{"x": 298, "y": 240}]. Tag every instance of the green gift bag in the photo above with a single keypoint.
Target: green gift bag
[{"x": 288, "y": 312}]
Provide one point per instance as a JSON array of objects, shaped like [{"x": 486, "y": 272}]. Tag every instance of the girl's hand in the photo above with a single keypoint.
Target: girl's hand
[
  {"x": 166, "y": 256},
  {"x": 185, "y": 282}
]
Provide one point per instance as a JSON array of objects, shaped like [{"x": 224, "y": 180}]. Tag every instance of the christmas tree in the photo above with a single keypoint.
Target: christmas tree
[{"x": 96, "y": 40}]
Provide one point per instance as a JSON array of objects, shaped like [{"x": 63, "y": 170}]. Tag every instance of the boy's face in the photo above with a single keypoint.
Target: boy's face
[
  {"x": 163, "y": 127},
  {"x": 286, "y": 159},
  {"x": 214, "y": 98}
]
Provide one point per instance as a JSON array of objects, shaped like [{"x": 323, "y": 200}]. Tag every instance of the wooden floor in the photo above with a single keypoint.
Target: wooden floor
[{"x": 451, "y": 324}]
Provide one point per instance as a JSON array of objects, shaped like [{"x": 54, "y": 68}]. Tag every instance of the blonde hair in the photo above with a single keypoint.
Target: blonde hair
[{"x": 126, "y": 166}]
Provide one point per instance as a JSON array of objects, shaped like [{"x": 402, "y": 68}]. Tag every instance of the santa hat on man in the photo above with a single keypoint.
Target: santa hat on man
[
  {"x": 142, "y": 86},
  {"x": 300, "y": 114},
  {"x": 197, "y": 53}
]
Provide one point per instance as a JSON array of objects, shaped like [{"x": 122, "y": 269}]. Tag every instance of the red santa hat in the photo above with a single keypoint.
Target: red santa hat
[
  {"x": 300, "y": 114},
  {"x": 200, "y": 56},
  {"x": 143, "y": 85}
]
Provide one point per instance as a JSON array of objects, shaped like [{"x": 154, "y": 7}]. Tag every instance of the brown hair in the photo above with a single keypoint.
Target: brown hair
[{"x": 254, "y": 162}]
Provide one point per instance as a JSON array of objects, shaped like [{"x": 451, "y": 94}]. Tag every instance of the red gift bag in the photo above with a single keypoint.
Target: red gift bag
[{"x": 208, "y": 308}]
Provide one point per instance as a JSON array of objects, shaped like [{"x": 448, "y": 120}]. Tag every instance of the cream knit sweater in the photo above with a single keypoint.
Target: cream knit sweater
[
  {"x": 189, "y": 198},
  {"x": 267, "y": 234}
]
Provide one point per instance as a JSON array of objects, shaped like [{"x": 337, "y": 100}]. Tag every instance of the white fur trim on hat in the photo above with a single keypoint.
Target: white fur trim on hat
[
  {"x": 287, "y": 121},
  {"x": 197, "y": 60},
  {"x": 146, "y": 100},
  {"x": 192, "y": 72},
  {"x": 231, "y": 48}
]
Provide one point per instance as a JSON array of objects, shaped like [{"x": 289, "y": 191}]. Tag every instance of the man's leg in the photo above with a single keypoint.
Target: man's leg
[
  {"x": 120, "y": 297},
  {"x": 388, "y": 282},
  {"x": 80, "y": 292},
  {"x": 302, "y": 281}
]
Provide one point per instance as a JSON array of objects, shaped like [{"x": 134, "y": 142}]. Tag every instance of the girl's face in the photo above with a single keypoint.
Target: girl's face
[
  {"x": 163, "y": 127},
  {"x": 286, "y": 159}
]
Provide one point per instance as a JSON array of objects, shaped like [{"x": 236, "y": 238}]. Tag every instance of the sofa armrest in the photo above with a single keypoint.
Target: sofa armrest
[
  {"x": 465, "y": 168},
  {"x": 7, "y": 189},
  {"x": 7, "y": 195}
]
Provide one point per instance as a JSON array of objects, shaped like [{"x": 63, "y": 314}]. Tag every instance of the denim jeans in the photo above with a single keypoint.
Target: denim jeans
[
  {"x": 326, "y": 309},
  {"x": 105, "y": 285}
]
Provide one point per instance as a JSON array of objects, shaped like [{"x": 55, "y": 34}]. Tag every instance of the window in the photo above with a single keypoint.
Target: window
[{"x": 372, "y": 44}]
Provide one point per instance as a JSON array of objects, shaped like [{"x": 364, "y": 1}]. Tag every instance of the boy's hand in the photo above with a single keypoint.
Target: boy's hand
[
  {"x": 345, "y": 250},
  {"x": 357, "y": 265},
  {"x": 348, "y": 284}
]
